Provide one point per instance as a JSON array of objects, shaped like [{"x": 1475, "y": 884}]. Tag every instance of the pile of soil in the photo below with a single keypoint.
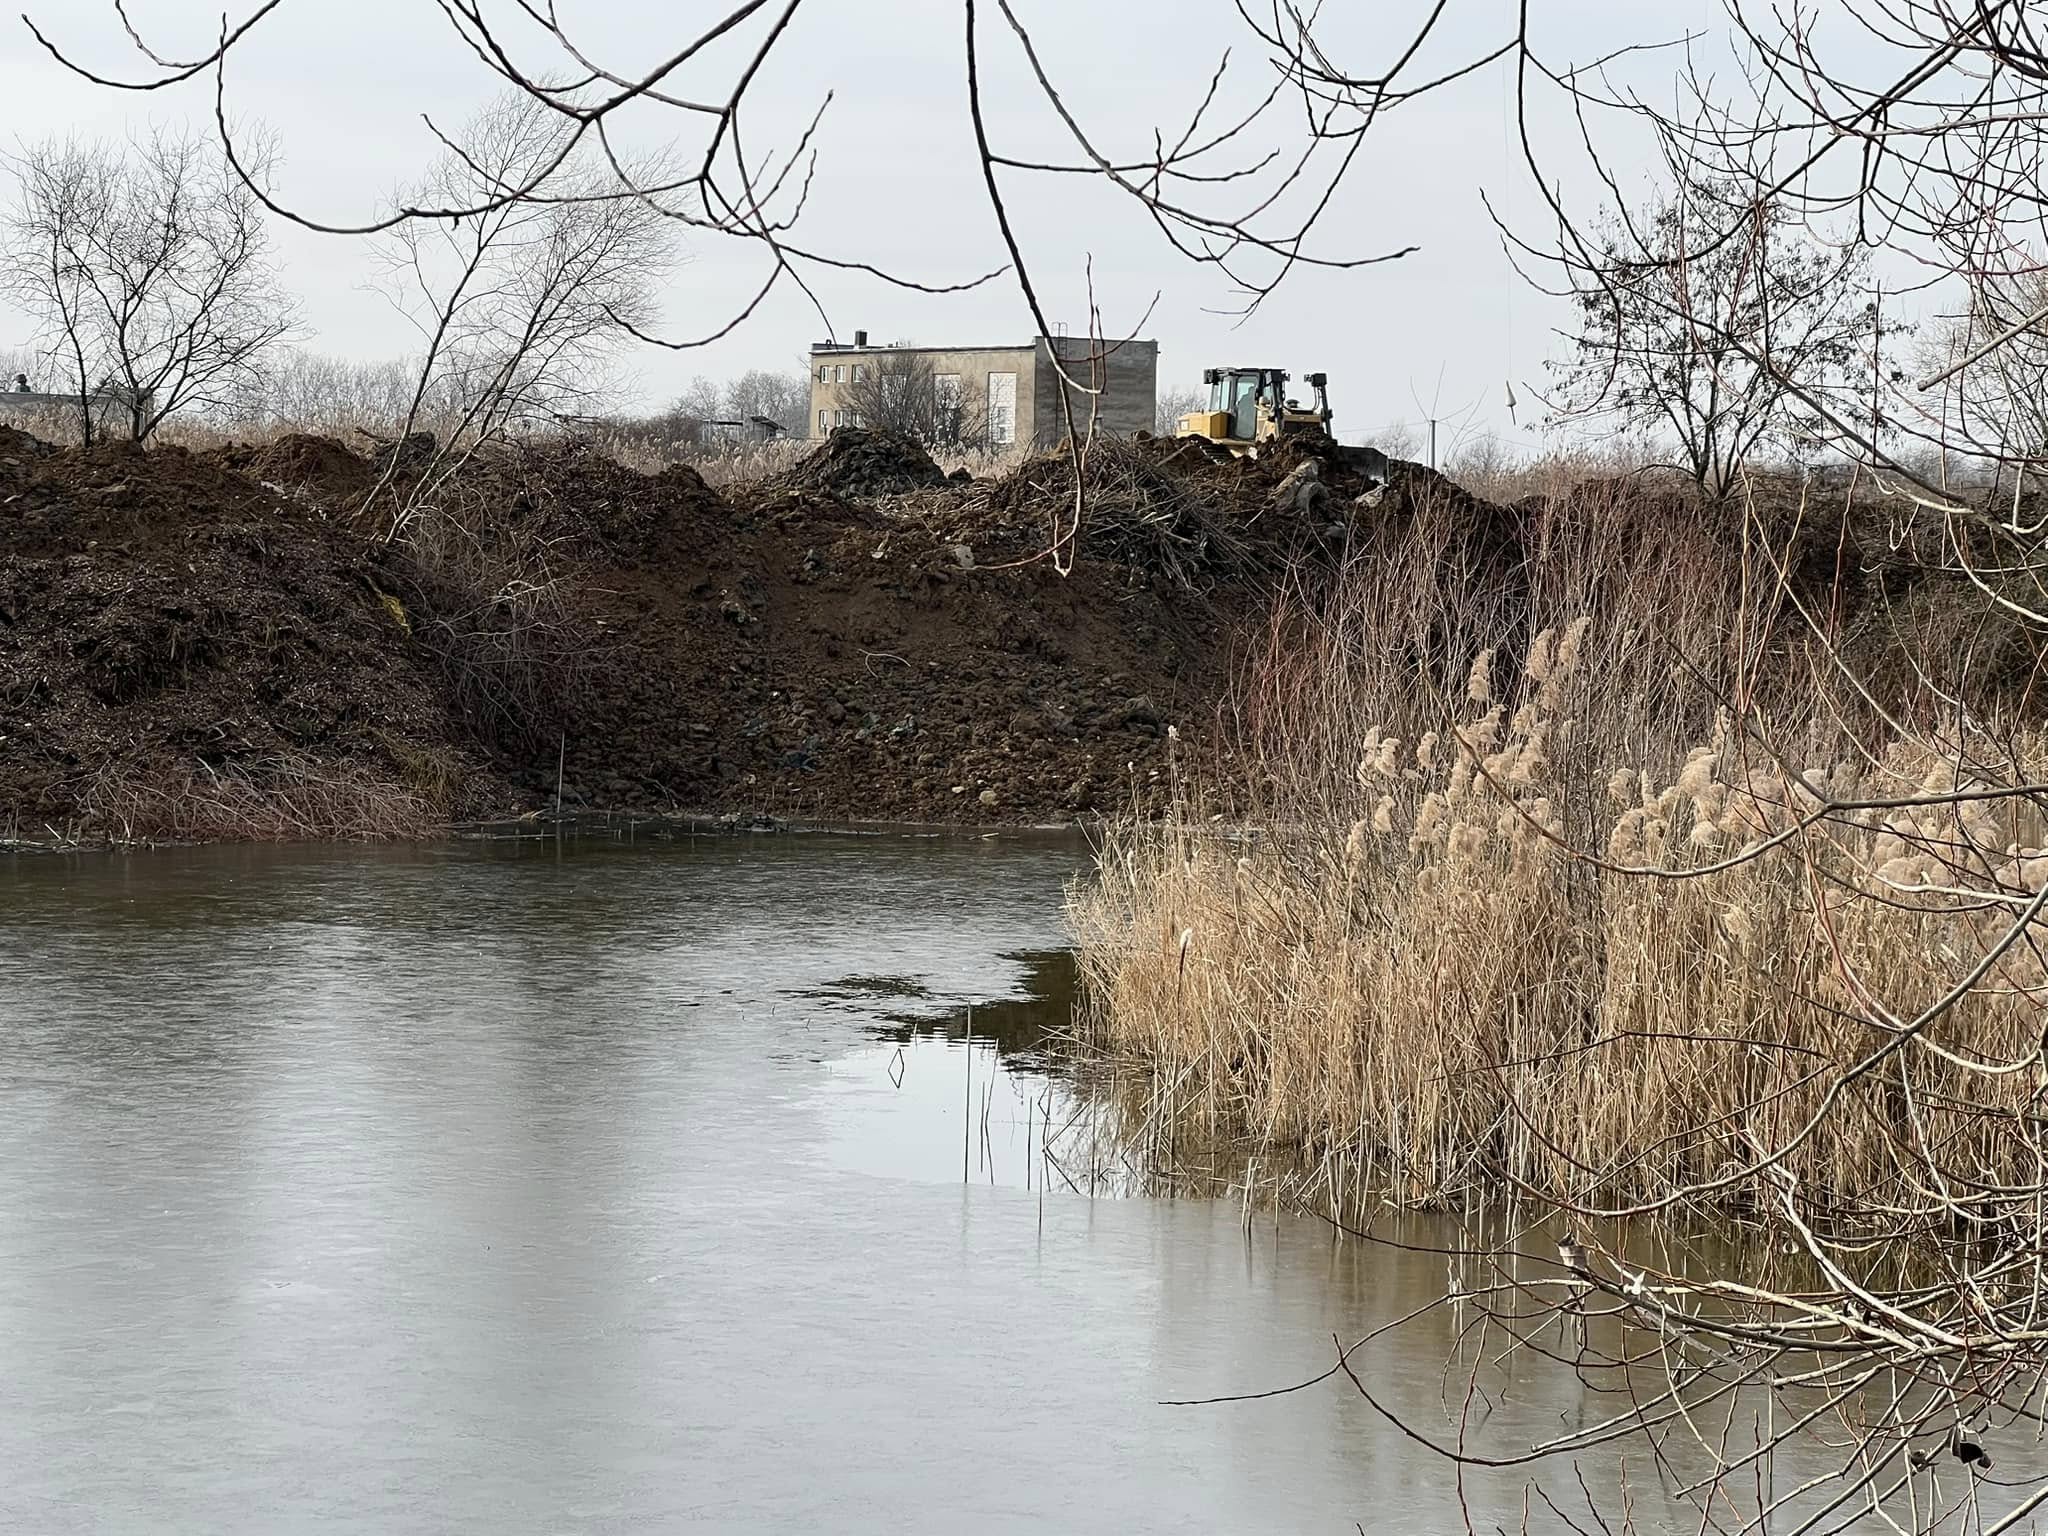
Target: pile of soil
[
  {"x": 183, "y": 636},
  {"x": 592, "y": 507},
  {"x": 178, "y": 642},
  {"x": 854, "y": 463},
  {"x": 296, "y": 460},
  {"x": 223, "y": 644}
]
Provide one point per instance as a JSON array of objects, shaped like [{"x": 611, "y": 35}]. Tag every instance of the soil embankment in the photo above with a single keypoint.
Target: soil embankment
[
  {"x": 290, "y": 639},
  {"x": 222, "y": 644}
]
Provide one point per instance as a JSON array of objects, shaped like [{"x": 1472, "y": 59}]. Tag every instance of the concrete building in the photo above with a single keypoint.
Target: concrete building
[
  {"x": 109, "y": 402},
  {"x": 1014, "y": 391}
]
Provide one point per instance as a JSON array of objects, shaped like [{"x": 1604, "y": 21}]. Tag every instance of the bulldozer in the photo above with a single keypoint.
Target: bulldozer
[{"x": 1249, "y": 406}]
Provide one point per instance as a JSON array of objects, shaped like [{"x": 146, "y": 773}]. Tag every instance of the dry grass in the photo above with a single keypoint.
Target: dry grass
[
  {"x": 1477, "y": 938},
  {"x": 278, "y": 800},
  {"x": 490, "y": 587},
  {"x": 724, "y": 462},
  {"x": 1506, "y": 473},
  {"x": 51, "y": 425}
]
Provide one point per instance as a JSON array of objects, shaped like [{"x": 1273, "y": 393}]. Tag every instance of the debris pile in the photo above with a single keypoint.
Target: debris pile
[
  {"x": 856, "y": 464},
  {"x": 1134, "y": 510}
]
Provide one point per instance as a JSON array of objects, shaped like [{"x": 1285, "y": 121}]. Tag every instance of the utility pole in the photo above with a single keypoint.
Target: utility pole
[{"x": 1432, "y": 442}]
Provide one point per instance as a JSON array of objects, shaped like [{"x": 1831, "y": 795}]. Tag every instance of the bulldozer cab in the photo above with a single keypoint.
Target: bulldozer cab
[
  {"x": 1236, "y": 392},
  {"x": 1249, "y": 406}
]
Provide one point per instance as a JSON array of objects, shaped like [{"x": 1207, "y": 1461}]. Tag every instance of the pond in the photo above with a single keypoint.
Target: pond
[{"x": 539, "y": 1187}]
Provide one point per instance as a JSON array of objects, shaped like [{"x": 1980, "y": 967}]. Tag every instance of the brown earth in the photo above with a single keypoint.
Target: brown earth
[
  {"x": 233, "y": 643},
  {"x": 177, "y": 642},
  {"x": 221, "y": 644}
]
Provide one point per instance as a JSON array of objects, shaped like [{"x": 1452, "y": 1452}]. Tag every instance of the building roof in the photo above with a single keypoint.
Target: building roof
[
  {"x": 847, "y": 346},
  {"x": 1007, "y": 346}
]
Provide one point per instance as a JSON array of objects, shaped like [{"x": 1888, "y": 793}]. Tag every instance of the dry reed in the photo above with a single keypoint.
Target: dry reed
[
  {"x": 1492, "y": 928},
  {"x": 287, "y": 799}
]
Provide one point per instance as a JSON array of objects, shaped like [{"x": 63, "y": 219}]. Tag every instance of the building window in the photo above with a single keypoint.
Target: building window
[
  {"x": 824, "y": 373},
  {"x": 857, "y": 371},
  {"x": 946, "y": 396},
  {"x": 824, "y": 425},
  {"x": 839, "y": 374},
  {"x": 1002, "y": 408}
]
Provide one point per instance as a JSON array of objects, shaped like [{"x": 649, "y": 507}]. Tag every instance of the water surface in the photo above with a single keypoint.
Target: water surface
[{"x": 604, "y": 1188}]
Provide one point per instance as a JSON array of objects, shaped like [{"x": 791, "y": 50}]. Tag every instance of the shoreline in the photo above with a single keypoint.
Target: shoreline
[{"x": 596, "y": 826}]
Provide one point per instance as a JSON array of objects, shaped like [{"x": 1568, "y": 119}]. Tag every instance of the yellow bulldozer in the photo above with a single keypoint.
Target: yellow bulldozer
[{"x": 1249, "y": 406}]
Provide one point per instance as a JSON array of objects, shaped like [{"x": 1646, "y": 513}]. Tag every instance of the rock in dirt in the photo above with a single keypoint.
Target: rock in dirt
[{"x": 1301, "y": 492}]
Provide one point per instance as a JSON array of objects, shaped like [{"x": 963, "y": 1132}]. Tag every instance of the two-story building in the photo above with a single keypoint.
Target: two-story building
[{"x": 1013, "y": 391}]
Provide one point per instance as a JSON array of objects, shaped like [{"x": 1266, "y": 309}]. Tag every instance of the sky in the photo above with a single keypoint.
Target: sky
[{"x": 1447, "y": 332}]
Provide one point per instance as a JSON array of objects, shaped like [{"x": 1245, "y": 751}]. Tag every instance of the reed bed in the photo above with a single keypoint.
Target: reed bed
[{"x": 1614, "y": 916}]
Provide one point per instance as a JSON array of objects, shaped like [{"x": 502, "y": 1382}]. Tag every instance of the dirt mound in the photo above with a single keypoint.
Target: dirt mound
[
  {"x": 298, "y": 461},
  {"x": 816, "y": 666},
  {"x": 17, "y": 444},
  {"x": 858, "y": 638},
  {"x": 185, "y": 653},
  {"x": 70, "y": 499},
  {"x": 855, "y": 463},
  {"x": 590, "y": 505},
  {"x": 189, "y": 650}
]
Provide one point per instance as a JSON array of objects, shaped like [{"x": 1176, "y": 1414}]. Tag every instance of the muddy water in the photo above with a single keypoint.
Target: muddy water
[{"x": 625, "y": 1189}]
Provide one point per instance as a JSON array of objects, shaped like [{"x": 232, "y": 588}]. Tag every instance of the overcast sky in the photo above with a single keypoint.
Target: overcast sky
[{"x": 1442, "y": 332}]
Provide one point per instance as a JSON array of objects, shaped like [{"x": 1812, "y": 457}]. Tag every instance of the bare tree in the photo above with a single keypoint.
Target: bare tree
[
  {"x": 687, "y": 420},
  {"x": 1921, "y": 139},
  {"x": 1174, "y": 404},
  {"x": 758, "y": 394},
  {"x": 148, "y": 272},
  {"x": 903, "y": 393},
  {"x": 1993, "y": 361},
  {"x": 519, "y": 305},
  {"x": 312, "y": 392},
  {"x": 1711, "y": 340}
]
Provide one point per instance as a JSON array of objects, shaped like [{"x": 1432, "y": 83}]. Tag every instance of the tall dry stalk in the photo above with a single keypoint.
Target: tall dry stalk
[
  {"x": 1483, "y": 978},
  {"x": 1719, "y": 904},
  {"x": 273, "y": 799}
]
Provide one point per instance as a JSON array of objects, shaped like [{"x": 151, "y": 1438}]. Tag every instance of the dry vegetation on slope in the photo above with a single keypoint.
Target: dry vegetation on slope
[{"x": 1444, "y": 947}]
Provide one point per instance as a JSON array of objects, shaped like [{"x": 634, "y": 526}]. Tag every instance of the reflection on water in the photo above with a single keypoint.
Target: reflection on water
[
  {"x": 969, "y": 1088},
  {"x": 620, "y": 1189}
]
